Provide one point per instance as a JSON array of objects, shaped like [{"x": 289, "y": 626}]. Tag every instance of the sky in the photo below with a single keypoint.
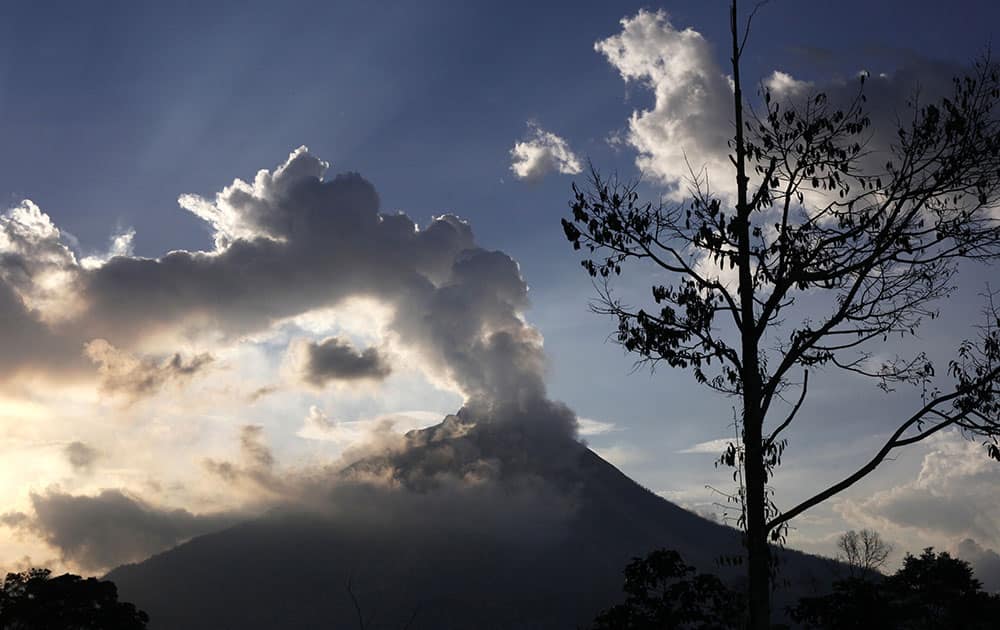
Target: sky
[{"x": 140, "y": 360}]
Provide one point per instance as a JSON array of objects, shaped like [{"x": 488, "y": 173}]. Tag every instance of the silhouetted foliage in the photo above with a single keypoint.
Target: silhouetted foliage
[
  {"x": 663, "y": 593},
  {"x": 863, "y": 552},
  {"x": 872, "y": 245},
  {"x": 34, "y": 600},
  {"x": 929, "y": 591}
]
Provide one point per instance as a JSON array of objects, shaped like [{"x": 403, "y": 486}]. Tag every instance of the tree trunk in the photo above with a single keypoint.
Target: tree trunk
[
  {"x": 755, "y": 499},
  {"x": 758, "y": 551}
]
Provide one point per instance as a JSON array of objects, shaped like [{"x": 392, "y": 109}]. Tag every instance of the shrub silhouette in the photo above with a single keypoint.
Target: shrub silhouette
[
  {"x": 929, "y": 591},
  {"x": 662, "y": 593},
  {"x": 33, "y": 600}
]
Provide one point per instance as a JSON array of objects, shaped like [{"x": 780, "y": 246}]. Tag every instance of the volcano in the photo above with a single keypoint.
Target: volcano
[{"x": 484, "y": 526}]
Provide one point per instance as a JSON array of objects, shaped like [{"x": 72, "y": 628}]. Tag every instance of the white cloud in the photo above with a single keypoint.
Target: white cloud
[
  {"x": 690, "y": 123},
  {"x": 621, "y": 455},
  {"x": 711, "y": 447},
  {"x": 121, "y": 245},
  {"x": 784, "y": 84},
  {"x": 588, "y": 427},
  {"x": 36, "y": 264},
  {"x": 319, "y": 426},
  {"x": 543, "y": 153}
]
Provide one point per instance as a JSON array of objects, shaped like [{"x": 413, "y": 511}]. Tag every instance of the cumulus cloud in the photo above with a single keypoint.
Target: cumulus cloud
[
  {"x": 288, "y": 244},
  {"x": 97, "y": 532},
  {"x": 292, "y": 242},
  {"x": 541, "y": 154},
  {"x": 81, "y": 456},
  {"x": 687, "y": 130},
  {"x": 952, "y": 498},
  {"x": 121, "y": 245},
  {"x": 335, "y": 359},
  {"x": 134, "y": 377},
  {"x": 36, "y": 264}
]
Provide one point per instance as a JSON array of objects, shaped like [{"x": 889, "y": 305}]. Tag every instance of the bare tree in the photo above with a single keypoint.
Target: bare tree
[
  {"x": 864, "y": 552},
  {"x": 873, "y": 247}
]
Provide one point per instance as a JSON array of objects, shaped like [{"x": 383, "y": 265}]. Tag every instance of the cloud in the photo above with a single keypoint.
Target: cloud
[
  {"x": 985, "y": 563},
  {"x": 335, "y": 359},
  {"x": 317, "y": 425},
  {"x": 689, "y": 126},
  {"x": 134, "y": 377},
  {"x": 36, "y": 264},
  {"x": 589, "y": 427},
  {"x": 121, "y": 245},
  {"x": 952, "y": 497},
  {"x": 621, "y": 455},
  {"x": 541, "y": 154},
  {"x": 111, "y": 528},
  {"x": 288, "y": 245},
  {"x": 711, "y": 447},
  {"x": 81, "y": 456},
  {"x": 317, "y": 421},
  {"x": 261, "y": 392},
  {"x": 255, "y": 471},
  {"x": 253, "y": 447}
]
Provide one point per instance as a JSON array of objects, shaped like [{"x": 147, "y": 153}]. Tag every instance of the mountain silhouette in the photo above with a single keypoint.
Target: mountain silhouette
[{"x": 503, "y": 560}]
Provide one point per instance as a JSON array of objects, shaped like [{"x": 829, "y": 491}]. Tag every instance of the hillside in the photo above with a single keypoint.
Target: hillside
[{"x": 549, "y": 567}]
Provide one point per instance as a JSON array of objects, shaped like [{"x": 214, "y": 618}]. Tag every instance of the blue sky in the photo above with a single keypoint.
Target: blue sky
[{"x": 109, "y": 111}]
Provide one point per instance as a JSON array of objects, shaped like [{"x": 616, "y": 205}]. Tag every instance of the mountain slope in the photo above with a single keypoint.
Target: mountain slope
[{"x": 551, "y": 566}]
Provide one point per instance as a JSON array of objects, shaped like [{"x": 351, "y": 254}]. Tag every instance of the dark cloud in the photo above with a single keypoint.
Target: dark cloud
[
  {"x": 81, "y": 456},
  {"x": 985, "y": 562},
  {"x": 111, "y": 528},
  {"x": 335, "y": 359},
  {"x": 32, "y": 346}
]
